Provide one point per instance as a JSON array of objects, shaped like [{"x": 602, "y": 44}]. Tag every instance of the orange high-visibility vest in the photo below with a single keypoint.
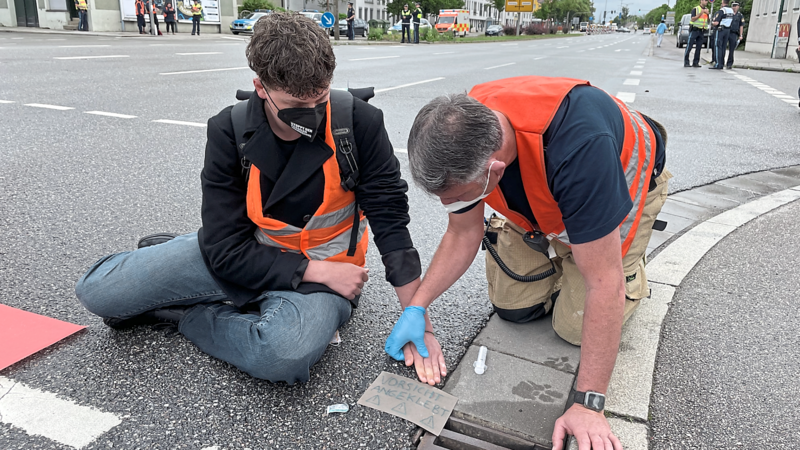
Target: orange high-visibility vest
[
  {"x": 530, "y": 103},
  {"x": 327, "y": 234},
  {"x": 140, "y": 11}
]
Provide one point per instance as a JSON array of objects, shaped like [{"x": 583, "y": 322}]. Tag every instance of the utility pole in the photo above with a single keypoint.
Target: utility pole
[
  {"x": 152, "y": 22},
  {"x": 336, "y": 20}
]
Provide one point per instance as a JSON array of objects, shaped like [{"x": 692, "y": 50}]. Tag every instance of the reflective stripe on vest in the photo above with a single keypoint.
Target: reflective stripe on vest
[
  {"x": 81, "y": 4},
  {"x": 327, "y": 235},
  {"x": 511, "y": 97},
  {"x": 702, "y": 21}
]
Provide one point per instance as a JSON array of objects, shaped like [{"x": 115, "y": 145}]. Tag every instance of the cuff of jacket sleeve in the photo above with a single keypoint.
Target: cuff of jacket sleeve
[
  {"x": 299, "y": 273},
  {"x": 402, "y": 266}
]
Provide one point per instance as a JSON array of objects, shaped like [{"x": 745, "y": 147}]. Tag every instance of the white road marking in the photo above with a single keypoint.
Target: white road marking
[
  {"x": 501, "y": 65},
  {"x": 179, "y": 122},
  {"x": 374, "y": 57},
  {"x": 109, "y": 114},
  {"x": 778, "y": 96},
  {"x": 444, "y": 53},
  {"x": 84, "y": 46},
  {"x": 91, "y": 57},
  {"x": 541, "y": 57},
  {"x": 233, "y": 38},
  {"x": 16, "y": 39},
  {"x": 7, "y": 101},
  {"x": 618, "y": 50},
  {"x": 56, "y": 39},
  {"x": 199, "y": 53},
  {"x": 792, "y": 101},
  {"x": 56, "y": 107},
  {"x": 503, "y": 45},
  {"x": 631, "y": 82},
  {"x": 407, "y": 85},
  {"x": 205, "y": 70},
  {"x": 563, "y": 46},
  {"x": 636, "y": 72},
  {"x": 42, "y": 413},
  {"x": 638, "y": 67},
  {"x": 401, "y": 150},
  {"x": 627, "y": 97}
]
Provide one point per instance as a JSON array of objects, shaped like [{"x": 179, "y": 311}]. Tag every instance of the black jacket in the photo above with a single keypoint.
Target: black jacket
[{"x": 291, "y": 185}]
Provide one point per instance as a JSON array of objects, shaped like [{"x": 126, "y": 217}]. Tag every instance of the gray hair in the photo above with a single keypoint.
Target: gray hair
[{"x": 451, "y": 141}]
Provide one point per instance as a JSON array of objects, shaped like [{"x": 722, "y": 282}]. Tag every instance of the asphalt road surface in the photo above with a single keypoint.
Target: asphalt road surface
[{"x": 124, "y": 161}]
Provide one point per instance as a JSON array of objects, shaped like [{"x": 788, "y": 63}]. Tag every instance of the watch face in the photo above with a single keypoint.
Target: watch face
[{"x": 595, "y": 401}]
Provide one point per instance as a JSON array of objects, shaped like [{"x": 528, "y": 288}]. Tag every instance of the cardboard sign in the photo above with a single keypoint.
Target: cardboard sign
[
  {"x": 23, "y": 333},
  {"x": 411, "y": 400}
]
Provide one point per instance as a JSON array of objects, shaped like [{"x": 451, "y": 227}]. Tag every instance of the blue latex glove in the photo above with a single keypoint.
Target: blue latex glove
[{"x": 410, "y": 327}]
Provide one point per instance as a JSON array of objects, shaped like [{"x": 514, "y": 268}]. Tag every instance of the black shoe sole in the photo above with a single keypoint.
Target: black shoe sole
[{"x": 155, "y": 239}]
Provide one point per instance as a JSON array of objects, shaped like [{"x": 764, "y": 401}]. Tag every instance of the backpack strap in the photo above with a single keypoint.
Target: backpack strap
[{"x": 238, "y": 118}]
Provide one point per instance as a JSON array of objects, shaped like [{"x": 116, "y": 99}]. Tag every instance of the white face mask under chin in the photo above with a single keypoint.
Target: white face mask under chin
[{"x": 459, "y": 205}]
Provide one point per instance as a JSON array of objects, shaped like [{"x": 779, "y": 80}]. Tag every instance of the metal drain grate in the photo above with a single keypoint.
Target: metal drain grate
[{"x": 459, "y": 434}]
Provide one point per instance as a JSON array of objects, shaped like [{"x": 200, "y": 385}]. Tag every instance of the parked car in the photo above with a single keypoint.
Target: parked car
[
  {"x": 494, "y": 30},
  {"x": 361, "y": 27},
  {"x": 315, "y": 16},
  {"x": 246, "y": 25},
  {"x": 684, "y": 27},
  {"x": 423, "y": 24}
]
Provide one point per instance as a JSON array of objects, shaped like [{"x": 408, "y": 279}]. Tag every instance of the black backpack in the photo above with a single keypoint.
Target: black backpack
[{"x": 342, "y": 130}]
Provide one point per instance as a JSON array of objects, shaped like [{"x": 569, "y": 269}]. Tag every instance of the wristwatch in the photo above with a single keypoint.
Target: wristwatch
[{"x": 591, "y": 400}]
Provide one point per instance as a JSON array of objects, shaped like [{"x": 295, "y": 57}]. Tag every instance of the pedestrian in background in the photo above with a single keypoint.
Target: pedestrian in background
[
  {"x": 722, "y": 21},
  {"x": 351, "y": 17},
  {"x": 140, "y": 9},
  {"x": 662, "y": 27},
  {"x": 197, "y": 14},
  {"x": 169, "y": 16},
  {"x": 737, "y": 31},
  {"x": 697, "y": 30},
  {"x": 153, "y": 8},
  {"x": 80, "y": 5},
  {"x": 417, "y": 19},
  {"x": 405, "y": 16}
]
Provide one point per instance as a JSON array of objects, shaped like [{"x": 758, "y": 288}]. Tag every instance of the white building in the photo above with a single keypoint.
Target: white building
[{"x": 763, "y": 22}]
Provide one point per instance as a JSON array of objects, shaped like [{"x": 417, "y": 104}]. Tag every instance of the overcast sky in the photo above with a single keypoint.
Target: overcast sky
[{"x": 633, "y": 6}]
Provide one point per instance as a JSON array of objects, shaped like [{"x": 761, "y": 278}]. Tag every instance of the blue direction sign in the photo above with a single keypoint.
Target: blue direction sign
[{"x": 328, "y": 20}]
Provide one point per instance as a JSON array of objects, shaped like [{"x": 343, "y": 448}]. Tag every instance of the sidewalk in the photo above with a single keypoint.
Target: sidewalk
[
  {"x": 531, "y": 372},
  {"x": 759, "y": 61}
]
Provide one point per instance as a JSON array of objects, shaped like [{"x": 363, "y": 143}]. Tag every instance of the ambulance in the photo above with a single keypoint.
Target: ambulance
[{"x": 453, "y": 20}]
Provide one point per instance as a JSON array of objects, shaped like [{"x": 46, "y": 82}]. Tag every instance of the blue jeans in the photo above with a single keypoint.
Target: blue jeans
[
  {"x": 83, "y": 25},
  {"x": 288, "y": 335},
  {"x": 696, "y": 37}
]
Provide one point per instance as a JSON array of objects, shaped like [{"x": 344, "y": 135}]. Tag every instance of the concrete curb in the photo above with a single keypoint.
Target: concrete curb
[
  {"x": 632, "y": 380},
  {"x": 787, "y": 67}
]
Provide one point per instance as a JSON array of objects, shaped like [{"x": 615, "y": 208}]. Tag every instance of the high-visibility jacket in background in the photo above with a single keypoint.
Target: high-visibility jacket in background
[
  {"x": 405, "y": 16},
  {"x": 417, "y": 15},
  {"x": 513, "y": 97},
  {"x": 80, "y": 4},
  {"x": 702, "y": 20},
  {"x": 197, "y": 9},
  {"x": 140, "y": 9},
  {"x": 327, "y": 235}
]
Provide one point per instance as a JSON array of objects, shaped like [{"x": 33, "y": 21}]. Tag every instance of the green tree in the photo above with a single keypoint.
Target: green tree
[
  {"x": 654, "y": 16},
  {"x": 499, "y": 6}
]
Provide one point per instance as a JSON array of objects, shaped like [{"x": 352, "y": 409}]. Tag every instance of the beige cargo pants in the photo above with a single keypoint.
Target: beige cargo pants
[{"x": 508, "y": 295}]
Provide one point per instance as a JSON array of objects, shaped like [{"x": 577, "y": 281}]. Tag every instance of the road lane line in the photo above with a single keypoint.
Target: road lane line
[
  {"x": 199, "y": 53},
  {"x": 110, "y": 114},
  {"x": 792, "y": 101},
  {"x": 179, "y": 122},
  {"x": 409, "y": 84},
  {"x": 778, "y": 96},
  {"x": 444, "y": 53},
  {"x": 627, "y": 97},
  {"x": 7, "y": 101},
  {"x": 501, "y": 65},
  {"x": 401, "y": 150},
  {"x": 56, "y": 39},
  {"x": 84, "y": 46},
  {"x": 42, "y": 413},
  {"x": 541, "y": 57},
  {"x": 91, "y": 57},
  {"x": 563, "y": 46},
  {"x": 56, "y": 107},
  {"x": 203, "y": 71},
  {"x": 638, "y": 67},
  {"x": 503, "y": 45},
  {"x": 636, "y": 72},
  {"x": 374, "y": 57},
  {"x": 618, "y": 50},
  {"x": 233, "y": 38},
  {"x": 631, "y": 82}
]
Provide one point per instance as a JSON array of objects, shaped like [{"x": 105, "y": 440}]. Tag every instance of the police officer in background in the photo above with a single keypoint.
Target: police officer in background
[
  {"x": 722, "y": 21},
  {"x": 351, "y": 16},
  {"x": 737, "y": 31},
  {"x": 80, "y": 5},
  {"x": 197, "y": 16},
  {"x": 405, "y": 16},
  {"x": 417, "y": 19},
  {"x": 698, "y": 27}
]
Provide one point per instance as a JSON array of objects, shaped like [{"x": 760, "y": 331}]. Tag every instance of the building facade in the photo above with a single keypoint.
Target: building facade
[{"x": 763, "y": 22}]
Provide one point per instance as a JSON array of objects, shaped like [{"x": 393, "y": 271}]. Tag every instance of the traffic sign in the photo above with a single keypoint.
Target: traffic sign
[
  {"x": 522, "y": 5},
  {"x": 327, "y": 20}
]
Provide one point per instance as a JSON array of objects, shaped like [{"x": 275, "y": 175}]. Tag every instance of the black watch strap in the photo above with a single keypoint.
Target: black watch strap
[
  {"x": 579, "y": 397},
  {"x": 598, "y": 400}
]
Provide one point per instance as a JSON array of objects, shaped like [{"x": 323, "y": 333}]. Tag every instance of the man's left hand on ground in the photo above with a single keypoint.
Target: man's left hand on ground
[
  {"x": 410, "y": 327},
  {"x": 590, "y": 428},
  {"x": 432, "y": 369}
]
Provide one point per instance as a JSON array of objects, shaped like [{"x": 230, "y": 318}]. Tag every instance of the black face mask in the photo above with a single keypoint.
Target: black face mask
[{"x": 306, "y": 121}]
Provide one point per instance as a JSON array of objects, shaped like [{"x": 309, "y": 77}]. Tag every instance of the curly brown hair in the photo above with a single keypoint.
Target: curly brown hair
[{"x": 290, "y": 52}]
